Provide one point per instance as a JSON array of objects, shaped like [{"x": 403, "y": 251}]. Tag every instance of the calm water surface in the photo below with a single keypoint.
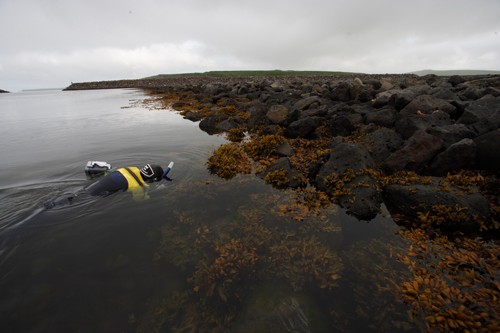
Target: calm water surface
[{"x": 116, "y": 265}]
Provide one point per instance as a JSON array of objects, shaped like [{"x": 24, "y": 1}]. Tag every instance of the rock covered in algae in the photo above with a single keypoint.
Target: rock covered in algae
[
  {"x": 342, "y": 176},
  {"x": 438, "y": 205}
]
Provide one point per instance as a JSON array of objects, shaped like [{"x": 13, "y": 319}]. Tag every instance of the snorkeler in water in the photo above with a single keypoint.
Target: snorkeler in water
[
  {"x": 127, "y": 179},
  {"x": 131, "y": 179}
]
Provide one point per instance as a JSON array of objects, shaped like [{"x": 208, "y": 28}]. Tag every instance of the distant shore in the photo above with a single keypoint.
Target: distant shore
[{"x": 3, "y": 91}]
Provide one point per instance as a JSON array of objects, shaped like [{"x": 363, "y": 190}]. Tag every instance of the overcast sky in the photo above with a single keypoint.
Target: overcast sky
[{"x": 50, "y": 43}]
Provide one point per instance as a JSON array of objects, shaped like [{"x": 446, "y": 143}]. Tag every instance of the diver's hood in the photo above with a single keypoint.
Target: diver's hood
[{"x": 152, "y": 172}]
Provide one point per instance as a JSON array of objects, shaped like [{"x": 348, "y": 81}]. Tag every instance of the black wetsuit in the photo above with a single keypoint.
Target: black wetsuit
[
  {"x": 123, "y": 179},
  {"x": 120, "y": 180}
]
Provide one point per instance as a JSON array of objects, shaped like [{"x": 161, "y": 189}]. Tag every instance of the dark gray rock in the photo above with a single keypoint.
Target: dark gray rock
[
  {"x": 3, "y": 91},
  {"x": 294, "y": 178},
  {"x": 227, "y": 125},
  {"x": 386, "y": 84},
  {"x": 412, "y": 199},
  {"x": 340, "y": 126},
  {"x": 365, "y": 199},
  {"x": 341, "y": 93},
  {"x": 471, "y": 93},
  {"x": 242, "y": 90},
  {"x": 488, "y": 150},
  {"x": 382, "y": 143},
  {"x": 458, "y": 156},
  {"x": 416, "y": 153},
  {"x": 483, "y": 115},
  {"x": 285, "y": 149},
  {"x": 193, "y": 116},
  {"x": 213, "y": 89},
  {"x": 427, "y": 104},
  {"x": 257, "y": 115},
  {"x": 278, "y": 86},
  {"x": 277, "y": 114},
  {"x": 456, "y": 80},
  {"x": 445, "y": 94},
  {"x": 307, "y": 103},
  {"x": 384, "y": 117},
  {"x": 209, "y": 123},
  {"x": 409, "y": 124},
  {"x": 383, "y": 98},
  {"x": 366, "y": 94},
  {"x": 355, "y": 113},
  {"x": 402, "y": 98},
  {"x": 303, "y": 127},
  {"x": 376, "y": 84},
  {"x": 495, "y": 92},
  {"x": 451, "y": 134},
  {"x": 319, "y": 112}
]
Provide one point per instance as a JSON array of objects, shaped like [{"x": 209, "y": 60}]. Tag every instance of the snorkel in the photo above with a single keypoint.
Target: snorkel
[{"x": 169, "y": 167}]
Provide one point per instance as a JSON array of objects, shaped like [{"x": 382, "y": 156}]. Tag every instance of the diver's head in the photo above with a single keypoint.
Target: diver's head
[{"x": 151, "y": 172}]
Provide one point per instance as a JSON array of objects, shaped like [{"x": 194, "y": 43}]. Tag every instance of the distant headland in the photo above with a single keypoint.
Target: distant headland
[{"x": 172, "y": 80}]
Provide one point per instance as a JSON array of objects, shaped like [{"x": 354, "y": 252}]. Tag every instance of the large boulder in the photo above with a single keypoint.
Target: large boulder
[
  {"x": 383, "y": 98},
  {"x": 400, "y": 99},
  {"x": 416, "y": 153},
  {"x": 359, "y": 192},
  {"x": 483, "y": 115},
  {"x": 488, "y": 150},
  {"x": 383, "y": 117},
  {"x": 340, "y": 125},
  {"x": 282, "y": 175},
  {"x": 307, "y": 103},
  {"x": 445, "y": 94},
  {"x": 451, "y": 208},
  {"x": 210, "y": 123},
  {"x": 409, "y": 124},
  {"x": 319, "y": 112},
  {"x": 227, "y": 125},
  {"x": 451, "y": 134},
  {"x": 456, "y": 80},
  {"x": 345, "y": 91},
  {"x": 303, "y": 127},
  {"x": 257, "y": 115},
  {"x": 382, "y": 143},
  {"x": 277, "y": 114},
  {"x": 459, "y": 156},
  {"x": 427, "y": 104}
]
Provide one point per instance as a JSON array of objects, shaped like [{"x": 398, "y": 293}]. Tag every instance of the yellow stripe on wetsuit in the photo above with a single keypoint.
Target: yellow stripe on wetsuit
[{"x": 136, "y": 186}]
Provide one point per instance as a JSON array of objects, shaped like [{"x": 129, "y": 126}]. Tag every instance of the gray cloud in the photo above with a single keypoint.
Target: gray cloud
[{"x": 51, "y": 43}]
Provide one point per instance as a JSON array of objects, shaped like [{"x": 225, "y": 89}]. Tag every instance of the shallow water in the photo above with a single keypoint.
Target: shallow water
[{"x": 113, "y": 264}]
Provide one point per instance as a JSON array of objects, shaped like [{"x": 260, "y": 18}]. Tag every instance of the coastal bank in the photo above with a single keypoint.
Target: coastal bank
[{"x": 426, "y": 147}]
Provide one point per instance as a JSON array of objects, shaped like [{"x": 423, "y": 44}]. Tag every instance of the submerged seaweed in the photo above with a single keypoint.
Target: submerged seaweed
[
  {"x": 454, "y": 284},
  {"x": 225, "y": 260},
  {"x": 287, "y": 238}
]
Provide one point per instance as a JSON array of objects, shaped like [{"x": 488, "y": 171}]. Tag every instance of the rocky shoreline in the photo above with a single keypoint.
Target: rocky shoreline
[
  {"x": 3, "y": 91},
  {"x": 426, "y": 147}
]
